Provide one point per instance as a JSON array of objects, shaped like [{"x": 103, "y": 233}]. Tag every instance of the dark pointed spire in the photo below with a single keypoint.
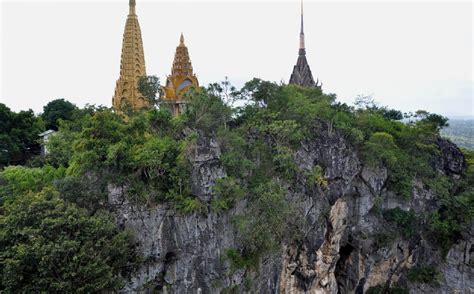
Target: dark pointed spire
[
  {"x": 302, "y": 75},
  {"x": 302, "y": 28}
]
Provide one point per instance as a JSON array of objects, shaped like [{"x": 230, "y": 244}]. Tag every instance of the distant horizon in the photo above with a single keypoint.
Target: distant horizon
[{"x": 407, "y": 56}]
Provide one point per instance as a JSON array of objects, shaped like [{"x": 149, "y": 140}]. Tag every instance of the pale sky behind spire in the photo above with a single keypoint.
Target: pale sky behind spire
[{"x": 407, "y": 55}]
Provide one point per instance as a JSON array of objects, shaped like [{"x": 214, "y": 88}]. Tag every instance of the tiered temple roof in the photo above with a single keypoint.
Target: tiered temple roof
[
  {"x": 181, "y": 80},
  {"x": 132, "y": 66},
  {"x": 302, "y": 75}
]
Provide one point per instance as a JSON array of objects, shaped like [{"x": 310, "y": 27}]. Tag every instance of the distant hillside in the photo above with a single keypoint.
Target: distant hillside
[{"x": 461, "y": 132}]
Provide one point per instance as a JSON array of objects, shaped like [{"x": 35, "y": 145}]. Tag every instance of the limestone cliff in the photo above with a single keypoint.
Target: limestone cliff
[{"x": 185, "y": 253}]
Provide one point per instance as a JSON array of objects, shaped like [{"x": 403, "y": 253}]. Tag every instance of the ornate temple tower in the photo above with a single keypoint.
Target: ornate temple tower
[
  {"x": 132, "y": 66},
  {"x": 181, "y": 79},
  {"x": 302, "y": 75}
]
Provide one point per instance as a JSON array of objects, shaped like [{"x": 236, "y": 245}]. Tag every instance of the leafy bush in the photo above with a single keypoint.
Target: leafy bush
[
  {"x": 316, "y": 177},
  {"x": 380, "y": 148},
  {"x": 239, "y": 261},
  {"x": 405, "y": 221},
  {"x": 234, "y": 157},
  {"x": 284, "y": 162},
  {"x": 18, "y": 135},
  {"x": 141, "y": 153},
  {"x": 49, "y": 245},
  {"x": 226, "y": 192},
  {"x": 447, "y": 225},
  {"x": 379, "y": 289},
  {"x": 268, "y": 221},
  {"x": 18, "y": 180},
  {"x": 424, "y": 274},
  {"x": 384, "y": 239},
  {"x": 189, "y": 205},
  {"x": 206, "y": 112}
]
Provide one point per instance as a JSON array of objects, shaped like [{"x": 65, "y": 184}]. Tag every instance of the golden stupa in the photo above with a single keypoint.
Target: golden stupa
[
  {"x": 181, "y": 80},
  {"x": 132, "y": 66}
]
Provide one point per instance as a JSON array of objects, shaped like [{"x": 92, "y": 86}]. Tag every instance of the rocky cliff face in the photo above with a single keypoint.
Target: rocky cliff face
[{"x": 186, "y": 253}]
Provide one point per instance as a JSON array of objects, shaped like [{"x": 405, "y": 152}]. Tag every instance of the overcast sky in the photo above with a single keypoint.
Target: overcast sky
[{"x": 407, "y": 55}]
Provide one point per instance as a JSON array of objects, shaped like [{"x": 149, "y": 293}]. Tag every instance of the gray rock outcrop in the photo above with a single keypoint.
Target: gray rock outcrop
[{"x": 186, "y": 253}]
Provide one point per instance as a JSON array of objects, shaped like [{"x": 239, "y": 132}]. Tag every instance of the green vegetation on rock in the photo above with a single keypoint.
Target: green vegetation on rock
[
  {"x": 424, "y": 274},
  {"x": 150, "y": 155}
]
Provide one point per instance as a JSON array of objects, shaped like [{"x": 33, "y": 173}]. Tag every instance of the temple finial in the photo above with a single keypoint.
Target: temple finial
[
  {"x": 181, "y": 39},
  {"x": 132, "y": 4},
  {"x": 302, "y": 30},
  {"x": 302, "y": 17}
]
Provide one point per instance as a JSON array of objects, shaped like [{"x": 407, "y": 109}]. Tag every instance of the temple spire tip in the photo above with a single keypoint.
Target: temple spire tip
[
  {"x": 131, "y": 5},
  {"x": 302, "y": 30}
]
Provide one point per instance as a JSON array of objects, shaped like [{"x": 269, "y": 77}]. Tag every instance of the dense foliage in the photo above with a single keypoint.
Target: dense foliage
[
  {"x": 150, "y": 154},
  {"x": 18, "y": 135},
  {"x": 424, "y": 274},
  {"x": 57, "y": 110},
  {"x": 381, "y": 289},
  {"x": 149, "y": 86},
  {"x": 51, "y": 246}
]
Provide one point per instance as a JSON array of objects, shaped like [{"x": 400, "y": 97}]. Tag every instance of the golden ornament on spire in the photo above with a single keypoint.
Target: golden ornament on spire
[
  {"x": 132, "y": 66},
  {"x": 181, "y": 80}
]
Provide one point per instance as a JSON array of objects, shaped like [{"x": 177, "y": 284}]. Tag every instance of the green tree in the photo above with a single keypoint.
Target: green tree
[
  {"x": 268, "y": 221},
  {"x": 18, "y": 180},
  {"x": 226, "y": 192},
  {"x": 392, "y": 114},
  {"x": 206, "y": 112},
  {"x": 149, "y": 86},
  {"x": 424, "y": 274},
  {"x": 436, "y": 121},
  {"x": 51, "y": 246},
  {"x": 18, "y": 135},
  {"x": 56, "y": 110},
  {"x": 380, "y": 148}
]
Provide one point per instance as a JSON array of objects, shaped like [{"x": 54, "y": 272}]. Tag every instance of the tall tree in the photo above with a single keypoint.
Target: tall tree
[
  {"x": 55, "y": 110},
  {"x": 18, "y": 135},
  {"x": 149, "y": 86}
]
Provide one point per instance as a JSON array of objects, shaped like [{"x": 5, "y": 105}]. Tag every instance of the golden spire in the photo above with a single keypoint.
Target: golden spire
[
  {"x": 132, "y": 5},
  {"x": 181, "y": 79},
  {"x": 132, "y": 65},
  {"x": 182, "y": 63}
]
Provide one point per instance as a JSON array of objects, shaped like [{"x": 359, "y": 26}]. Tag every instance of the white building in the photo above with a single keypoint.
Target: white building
[{"x": 44, "y": 139}]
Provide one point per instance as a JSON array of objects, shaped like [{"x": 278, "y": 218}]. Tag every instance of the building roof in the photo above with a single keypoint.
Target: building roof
[
  {"x": 302, "y": 75},
  {"x": 45, "y": 133}
]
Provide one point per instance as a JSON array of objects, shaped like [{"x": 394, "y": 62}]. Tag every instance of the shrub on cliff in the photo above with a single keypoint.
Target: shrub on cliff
[{"x": 50, "y": 245}]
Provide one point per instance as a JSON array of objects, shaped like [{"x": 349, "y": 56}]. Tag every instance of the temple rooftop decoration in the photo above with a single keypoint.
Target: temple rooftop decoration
[
  {"x": 181, "y": 79},
  {"x": 302, "y": 75},
  {"x": 132, "y": 66}
]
